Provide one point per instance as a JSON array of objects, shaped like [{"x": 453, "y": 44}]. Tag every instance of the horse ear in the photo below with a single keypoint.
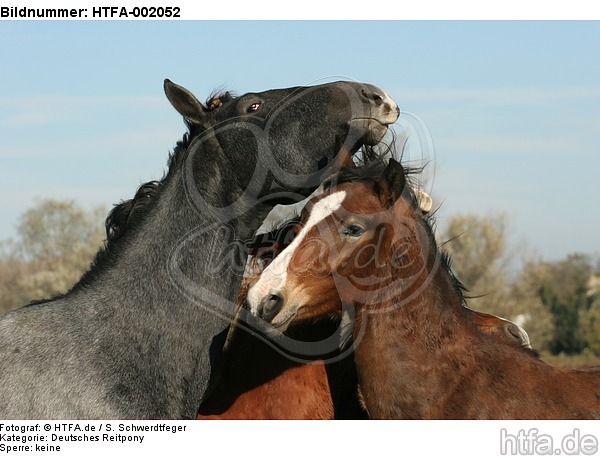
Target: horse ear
[
  {"x": 185, "y": 102},
  {"x": 395, "y": 180}
]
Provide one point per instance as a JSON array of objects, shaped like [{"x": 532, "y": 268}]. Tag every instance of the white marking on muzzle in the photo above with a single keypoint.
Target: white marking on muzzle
[
  {"x": 274, "y": 277},
  {"x": 393, "y": 106}
]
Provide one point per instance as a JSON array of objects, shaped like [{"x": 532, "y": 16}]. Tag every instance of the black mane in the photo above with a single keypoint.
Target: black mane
[
  {"x": 372, "y": 170},
  {"x": 217, "y": 98},
  {"x": 130, "y": 211}
]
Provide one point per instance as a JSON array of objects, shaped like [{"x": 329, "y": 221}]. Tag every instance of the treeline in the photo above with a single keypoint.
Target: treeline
[
  {"x": 558, "y": 303},
  {"x": 56, "y": 242}
]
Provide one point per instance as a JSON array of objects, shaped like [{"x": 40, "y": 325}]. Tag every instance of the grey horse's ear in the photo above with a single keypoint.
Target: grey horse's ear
[{"x": 185, "y": 102}]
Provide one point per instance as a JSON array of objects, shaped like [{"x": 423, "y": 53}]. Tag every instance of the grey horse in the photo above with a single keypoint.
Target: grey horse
[{"x": 139, "y": 335}]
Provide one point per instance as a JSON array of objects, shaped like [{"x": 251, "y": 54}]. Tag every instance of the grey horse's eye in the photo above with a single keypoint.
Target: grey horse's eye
[{"x": 254, "y": 107}]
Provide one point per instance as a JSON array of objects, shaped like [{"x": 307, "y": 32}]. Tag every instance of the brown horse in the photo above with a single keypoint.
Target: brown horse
[
  {"x": 259, "y": 382},
  {"x": 365, "y": 245}
]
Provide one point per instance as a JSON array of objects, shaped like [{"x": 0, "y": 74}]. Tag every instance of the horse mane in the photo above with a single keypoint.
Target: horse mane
[
  {"x": 446, "y": 260},
  {"x": 131, "y": 211}
]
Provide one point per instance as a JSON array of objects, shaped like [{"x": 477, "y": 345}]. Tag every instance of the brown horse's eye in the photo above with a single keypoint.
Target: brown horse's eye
[
  {"x": 254, "y": 107},
  {"x": 354, "y": 230}
]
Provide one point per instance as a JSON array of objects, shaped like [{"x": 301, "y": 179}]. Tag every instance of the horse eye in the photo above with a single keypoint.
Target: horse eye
[
  {"x": 354, "y": 230},
  {"x": 254, "y": 107}
]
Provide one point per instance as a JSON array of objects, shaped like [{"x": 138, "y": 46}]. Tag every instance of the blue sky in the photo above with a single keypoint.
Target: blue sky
[{"x": 511, "y": 110}]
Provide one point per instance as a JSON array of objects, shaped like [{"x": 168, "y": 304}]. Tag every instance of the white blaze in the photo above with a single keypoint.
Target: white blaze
[{"x": 274, "y": 276}]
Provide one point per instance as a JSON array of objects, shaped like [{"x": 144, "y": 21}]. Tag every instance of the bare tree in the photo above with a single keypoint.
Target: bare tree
[
  {"x": 528, "y": 309},
  {"x": 56, "y": 243},
  {"x": 481, "y": 259},
  {"x": 478, "y": 246}
]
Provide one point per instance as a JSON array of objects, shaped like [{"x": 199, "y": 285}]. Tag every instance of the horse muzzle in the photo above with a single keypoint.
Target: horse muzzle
[{"x": 381, "y": 111}]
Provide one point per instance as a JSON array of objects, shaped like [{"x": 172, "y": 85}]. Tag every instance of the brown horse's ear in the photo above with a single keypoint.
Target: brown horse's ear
[
  {"x": 393, "y": 182},
  {"x": 185, "y": 102}
]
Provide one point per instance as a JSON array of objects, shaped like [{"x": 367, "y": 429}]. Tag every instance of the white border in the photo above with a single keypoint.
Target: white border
[{"x": 344, "y": 9}]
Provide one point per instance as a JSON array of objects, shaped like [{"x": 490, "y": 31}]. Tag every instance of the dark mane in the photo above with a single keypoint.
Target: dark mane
[
  {"x": 129, "y": 214},
  {"x": 130, "y": 211},
  {"x": 445, "y": 258},
  {"x": 372, "y": 170},
  {"x": 458, "y": 286},
  {"x": 178, "y": 155}
]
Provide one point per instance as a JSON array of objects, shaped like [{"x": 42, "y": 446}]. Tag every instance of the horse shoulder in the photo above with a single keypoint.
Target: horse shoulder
[{"x": 46, "y": 365}]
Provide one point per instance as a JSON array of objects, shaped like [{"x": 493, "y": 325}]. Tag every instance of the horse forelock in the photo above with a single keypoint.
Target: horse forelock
[
  {"x": 218, "y": 98},
  {"x": 372, "y": 170}
]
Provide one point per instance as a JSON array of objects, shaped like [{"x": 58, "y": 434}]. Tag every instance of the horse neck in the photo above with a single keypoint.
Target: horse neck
[
  {"x": 187, "y": 226},
  {"x": 405, "y": 346}
]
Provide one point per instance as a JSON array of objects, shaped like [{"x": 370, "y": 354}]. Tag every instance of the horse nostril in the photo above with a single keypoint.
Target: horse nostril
[{"x": 271, "y": 305}]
